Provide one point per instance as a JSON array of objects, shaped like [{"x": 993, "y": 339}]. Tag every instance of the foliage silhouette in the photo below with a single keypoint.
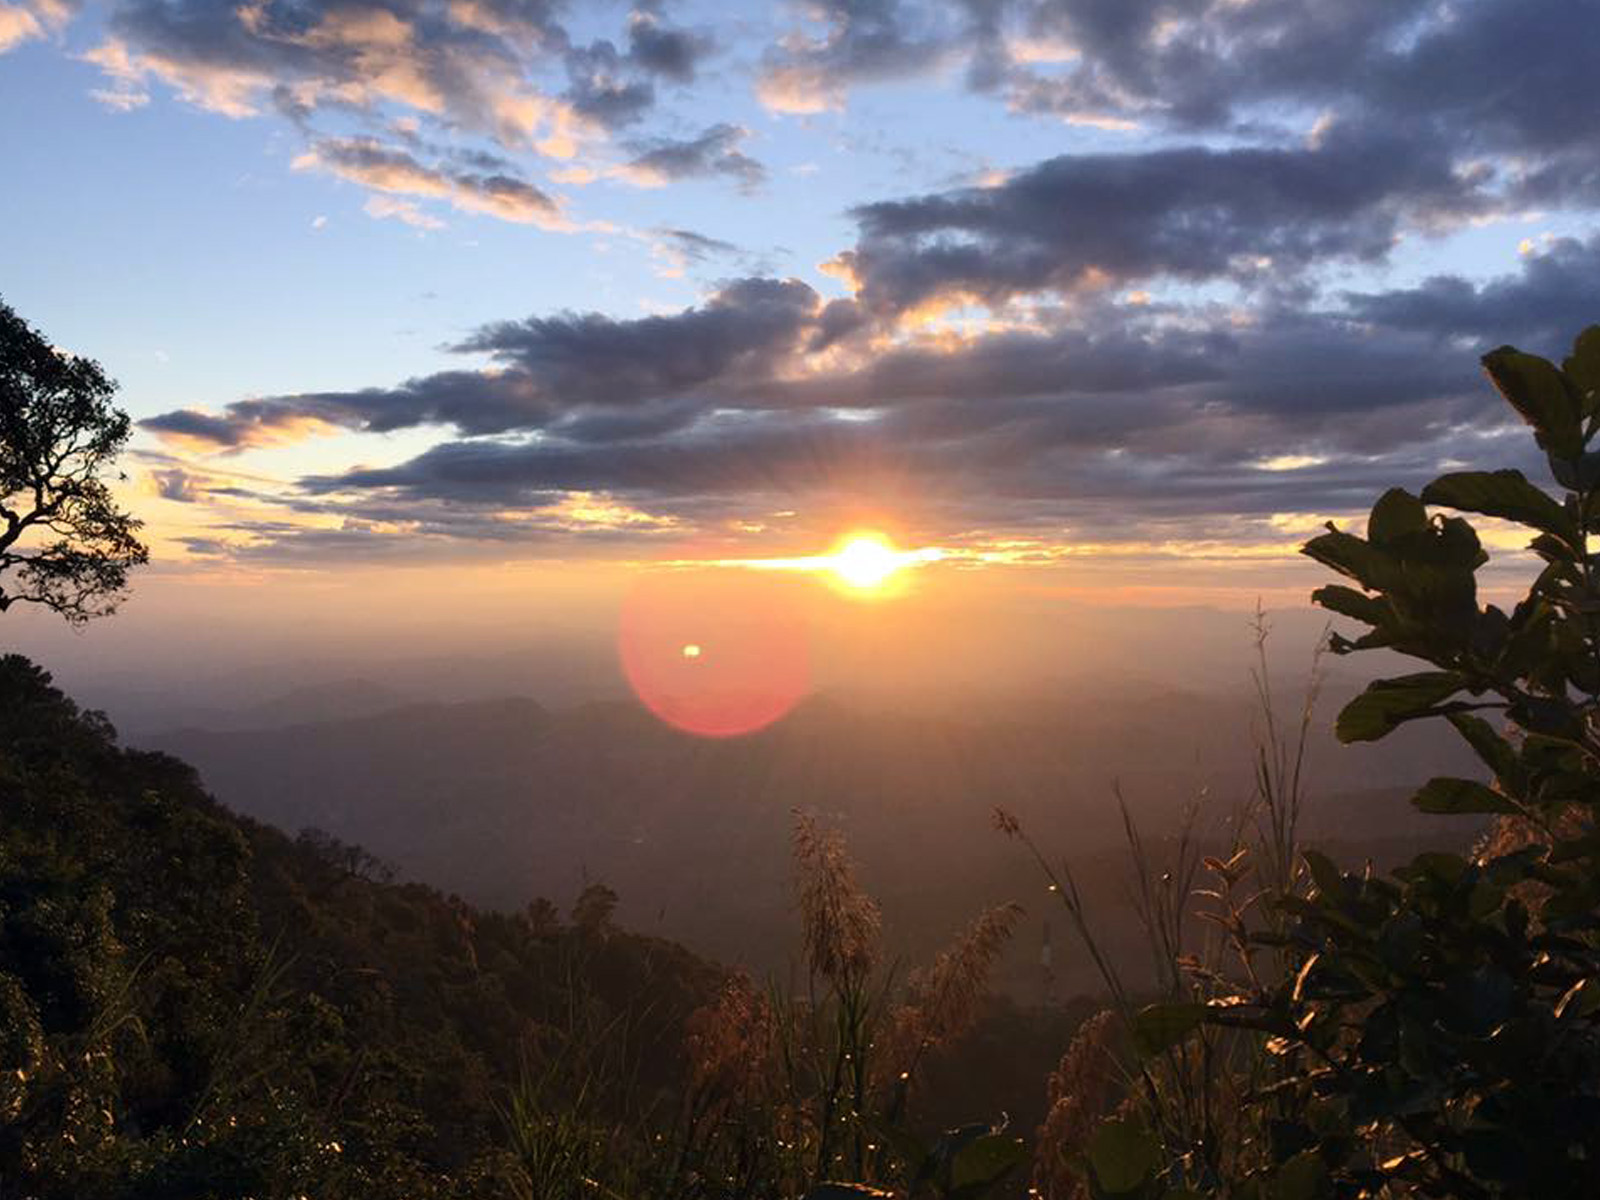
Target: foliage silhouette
[
  {"x": 1437, "y": 1032},
  {"x": 65, "y": 543},
  {"x": 195, "y": 1005}
]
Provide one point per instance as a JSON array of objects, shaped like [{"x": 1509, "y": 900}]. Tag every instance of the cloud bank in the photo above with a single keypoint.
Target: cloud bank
[{"x": 1196, "y": 327}]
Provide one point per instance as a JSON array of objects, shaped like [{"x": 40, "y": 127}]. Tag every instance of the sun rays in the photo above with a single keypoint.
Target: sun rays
[{"x": 863, "y": 562}]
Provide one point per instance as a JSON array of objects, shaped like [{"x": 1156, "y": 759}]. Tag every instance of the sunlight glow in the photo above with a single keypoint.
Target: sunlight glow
[
  {"x": 863, "y": 562},
  {"x": 866, "y": 561}
]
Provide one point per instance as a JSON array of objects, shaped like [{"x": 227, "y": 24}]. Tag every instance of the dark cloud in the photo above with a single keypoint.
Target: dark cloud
[
  {"x": 174, "y": 483},
  {"x": 1558, "y": 285},
  {"x": 746, "y": 454},
  {"x": 470, "y": 401},
  {"x": 714, "y": 152},
  {"x": 468, "y": 61},
  {"x": 553, "y": 369},
  {"x": 697, "y": 247},
  {"x": 1117, "y": 419},
  {"x": 673, "y": 54},
  {"x": 416, "y": 73},
  {"x": 1428, "y": 75},
  {"x": 604, "y": 89},
  {"x": 386, "y": 169},
  {"x": 744, "y": 329},
  {"x": 616, "y": 87},
  {"x": 1216, "y": 64},
  {"x": 1161, "y": 344},
  {"x": 1190, "y": 213},
  {"x": 1196, "y": 63},
  {"x": 463, "y": 59},
  {"x": 1380, "y": 371},
  {"x": 866, "y": 41},
  {"x": 245, "y": 423}
]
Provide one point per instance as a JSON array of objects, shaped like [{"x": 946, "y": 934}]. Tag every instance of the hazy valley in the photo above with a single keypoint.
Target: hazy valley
[{"x": 506, "y": 801}]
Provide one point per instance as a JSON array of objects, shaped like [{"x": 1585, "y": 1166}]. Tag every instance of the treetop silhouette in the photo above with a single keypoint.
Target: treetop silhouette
[{"x": 64, "y": 542}]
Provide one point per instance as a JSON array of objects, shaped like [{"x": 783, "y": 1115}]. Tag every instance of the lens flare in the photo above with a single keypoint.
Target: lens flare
[{"x": 715, "y": 657}]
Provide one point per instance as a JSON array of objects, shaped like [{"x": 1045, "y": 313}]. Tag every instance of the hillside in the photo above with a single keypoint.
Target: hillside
[{"x": 193, "y": 1004}]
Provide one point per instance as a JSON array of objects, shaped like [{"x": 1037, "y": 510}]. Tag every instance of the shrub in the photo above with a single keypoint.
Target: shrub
[{"x": 1435, "y": 1032}]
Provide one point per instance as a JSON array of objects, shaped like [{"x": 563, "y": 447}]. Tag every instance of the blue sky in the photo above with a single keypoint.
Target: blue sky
[{"x": 1027, "y": 277}]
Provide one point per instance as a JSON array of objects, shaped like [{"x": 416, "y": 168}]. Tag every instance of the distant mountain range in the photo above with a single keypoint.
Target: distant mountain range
[{"x": 506, "y": 800}]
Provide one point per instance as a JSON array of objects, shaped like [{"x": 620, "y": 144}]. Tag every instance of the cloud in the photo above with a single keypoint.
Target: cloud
[
  {"x": 673, "y": 54},
  {"x": 603, "y": 88},
  {"x": 1222, "y": 65},
  {"x": 679, "y": 249},
  {"x": 1557, "y": 286},
  {"x": 617, "y": 87},
  {"x": 697, "y": 246},
  {"x": 383, "y": 208},
  {"x": 1127, "y": 420},
  {"x": 311, "y": 534},
  {"x": 1412, "y": 64},
  {"x": 176, "y": 483},
  {"x": 459, "y": 62},
  {"x": 865, "y": 41},
  {"x": 247, "y": 424},
  {"x": 31, "y": 19},
  {"x": 1172, "y": 332},
  {"x": 714, "y": 152},
  {"x": 1100, "y": 369},
  {"x": 1190, "y": 213},
  {"x": 481, "y": 75},
  {"x": 395, "y": 172},
  {"x": 465, "y": 62}
]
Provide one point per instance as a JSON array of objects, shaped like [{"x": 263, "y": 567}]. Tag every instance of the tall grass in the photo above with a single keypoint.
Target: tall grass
[
  {"x": 1199, "y": 897},
  {"x": 786, "y": 1086}
]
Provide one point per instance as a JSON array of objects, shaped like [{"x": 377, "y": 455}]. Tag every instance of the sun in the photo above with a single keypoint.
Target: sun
[
  {"x": 863, "y": 563},
  {"x": 866, "y": 561}
]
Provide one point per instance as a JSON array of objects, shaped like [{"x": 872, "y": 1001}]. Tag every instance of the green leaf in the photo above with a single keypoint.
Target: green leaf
[
  {"x": 1389, "y": 703},
  {"x": 983, "y": 1163},
  {"x": 1583, "y": 368},
  {"x": 1552, "y": 549},
  {"x": 1455, "y": 797},
  {"x": 1348, "y": 555},
  {"x": 1504, "y": 494},
  {"x": 1497, "y": 754},
  {"x": 1323, "y": 872},
  {"x": 1303, "y": 1177},
  {"x": 1396, "y": 514},
  {"x": 1159, "y": 1026},
  {"x": 1581, "y": 999},
  {"x": 1348, "y": 602},
  {"x": 1538, "y": 391},
  {"x": 906, "y": 1145},
  {"x": 1123, "y": 1154}
]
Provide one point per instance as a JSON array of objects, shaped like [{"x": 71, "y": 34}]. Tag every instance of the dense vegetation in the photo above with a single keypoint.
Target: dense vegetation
[
  {"x": 195, "y": 1005},
  {"x": 1434, "y": 1032}
]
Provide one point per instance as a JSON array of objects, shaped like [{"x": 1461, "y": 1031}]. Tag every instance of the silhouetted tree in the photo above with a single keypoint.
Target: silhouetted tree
[
  {"x": 593, "y": 910},
  {"x": 64, "y": 543},
  {"x": 345, "y": 857}
]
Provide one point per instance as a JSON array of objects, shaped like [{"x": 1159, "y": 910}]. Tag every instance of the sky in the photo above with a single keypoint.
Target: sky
[{"x": 449, "y": 309}]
